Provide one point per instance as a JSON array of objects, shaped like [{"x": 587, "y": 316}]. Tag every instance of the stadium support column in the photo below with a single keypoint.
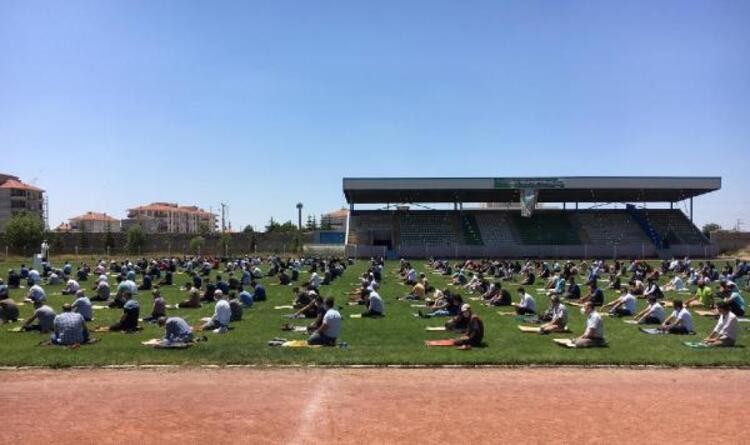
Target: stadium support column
[{"x": 691, "y": 209}]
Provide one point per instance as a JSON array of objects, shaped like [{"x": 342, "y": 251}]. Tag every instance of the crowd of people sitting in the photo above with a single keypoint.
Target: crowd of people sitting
[
  {"x": 240, "y": 291},
  {"x": 633, "y": 280},
  {"x": 235, "y": 285}
]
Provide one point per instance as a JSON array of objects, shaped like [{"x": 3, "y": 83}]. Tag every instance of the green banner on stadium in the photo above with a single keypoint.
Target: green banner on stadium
[{"x": 531, "y": 183}]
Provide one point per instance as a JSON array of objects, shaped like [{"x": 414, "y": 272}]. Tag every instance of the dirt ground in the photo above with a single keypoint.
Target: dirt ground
[{"x": 300, "y": 406}]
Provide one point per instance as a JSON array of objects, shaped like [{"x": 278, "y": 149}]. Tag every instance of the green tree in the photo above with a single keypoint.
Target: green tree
[
  {"x": 83, "y": 238},
  {"x": 325, "y": 223},
  {"x": 136, "y": 238},
  {"x": 197, "y": 243},
  {"x": 248, "y": 229},
  {"x": 23, "y": 232},
  {"x": 710, "y": 227},
  {"x": 55, "y": 241},
  {"x": 288, "y": 227},
  {"x": 309, "y": 225},
  {"x": 272, "y": 225},
  {"x": 203, "y": 228},
  {"x": 109, "y": 238},
  {"x": 226, "y": 241}
]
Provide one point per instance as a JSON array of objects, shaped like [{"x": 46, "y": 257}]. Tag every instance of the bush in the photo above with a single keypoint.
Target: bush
[
  {"x": 197, "y": 243},
  {"x": 136, "y": 238},
  {"x": 23, "y": 232}
]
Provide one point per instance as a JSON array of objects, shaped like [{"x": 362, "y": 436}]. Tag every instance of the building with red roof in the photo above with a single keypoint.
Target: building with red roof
[
  {"x": 94, "y": 222},
  {"x": 166, "y": 217},
  {"x": 17, "y": 196}
]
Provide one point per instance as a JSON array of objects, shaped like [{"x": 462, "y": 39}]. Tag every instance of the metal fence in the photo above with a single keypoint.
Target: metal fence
[{"x": 535, "y": 251}]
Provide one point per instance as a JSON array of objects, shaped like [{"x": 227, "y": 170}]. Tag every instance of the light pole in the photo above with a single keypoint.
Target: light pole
[{"x": 299, "y": 216}]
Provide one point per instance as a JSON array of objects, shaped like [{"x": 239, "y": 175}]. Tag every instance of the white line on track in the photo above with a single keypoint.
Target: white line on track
[{"x": 309, "y": 419}]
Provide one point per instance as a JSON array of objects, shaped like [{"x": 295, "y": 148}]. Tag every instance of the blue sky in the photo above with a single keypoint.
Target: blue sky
[{"x": 108, "y": 105}]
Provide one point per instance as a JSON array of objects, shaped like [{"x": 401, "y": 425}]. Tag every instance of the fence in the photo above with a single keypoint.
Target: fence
[
  {"x": 178, "y": 243},
  {"x": 646, "y": 250}
]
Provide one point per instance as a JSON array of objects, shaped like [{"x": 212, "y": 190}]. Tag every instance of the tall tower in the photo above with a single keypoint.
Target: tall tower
[{"x": 299, "y": 216}]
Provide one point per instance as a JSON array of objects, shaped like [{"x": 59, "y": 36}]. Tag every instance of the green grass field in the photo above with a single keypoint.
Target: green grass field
[{"x": 396, "y": 339}]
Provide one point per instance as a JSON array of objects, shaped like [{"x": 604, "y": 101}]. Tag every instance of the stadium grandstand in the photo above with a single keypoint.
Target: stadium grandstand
[{"x": 560, "y": 217}]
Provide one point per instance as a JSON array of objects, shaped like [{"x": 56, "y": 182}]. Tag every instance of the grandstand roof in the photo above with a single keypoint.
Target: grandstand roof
[{"x": 551, "y": 189}]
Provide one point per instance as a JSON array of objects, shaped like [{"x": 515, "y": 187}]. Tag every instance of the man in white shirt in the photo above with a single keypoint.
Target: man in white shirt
[
  {"x": 71, "y": 287},
  {"x": 375, "y": 306},
  {"x": 680, "y": 322},
  {"x": 676, "y": 284},
  {"x": 219, "y": 323},
  {"x": 725, "y": 332},
  {"x": 527, "y": 305},
  {"x": 330, "y": 329},
  {"x": 559, "y": 317},
  {"x": 315, "y": 280},
  {"x": 653, "y": 314},
  {"x": 624, "y": 306},
  {"x": 594, "y": 334}
]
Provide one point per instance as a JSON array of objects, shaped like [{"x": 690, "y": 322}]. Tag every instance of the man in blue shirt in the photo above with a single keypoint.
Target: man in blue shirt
[
  {"x": 82, "y": 305},
  {"x": 222, "y": 285},
  {"x": 70, "y": 328},
  {"x": 131, "y": 310},
  {"x": 260, "y": 291},
  {"x": 176, "y": 330},
  {"x": 246, "y": 298}
]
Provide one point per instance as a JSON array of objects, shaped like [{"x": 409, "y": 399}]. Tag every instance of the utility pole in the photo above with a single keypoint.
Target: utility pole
[
  {"x": 223, "y": 220},
  {"x": 738, "y": 226}
]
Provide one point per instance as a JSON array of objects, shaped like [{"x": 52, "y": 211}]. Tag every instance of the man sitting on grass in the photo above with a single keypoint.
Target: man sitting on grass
[
  {"x": 159, "y": 308},
  {"x": 595, "y": 295},
  {"x": 448, "y": 307},
  {"x": 36, "y": 293},
  {"x": 496, "y": 293},
  {"x": 8, "y": 310},
  {"x": 680, "y": 322},
  {"x": 574, "y": 291},
  {"x": 102, "y": 291},
  {"x": 474, "y": 329},
  {"x": 526, "y": 305},
  {"x": 14, "y": 280},
  {"x": 704, "y": 296},
  {"x": 594, "y": 333},
  {"x": 128, "y": 322},
  {"x": 219, "y": 322},
  {"x": 653, "y": 314},
  {"x": 559, "y": 317},
  {"x": 45, "y": 316},
  {"x": 71, "y": 287},
  {"x": 82, "y": 305},
  {"x": 725, "y": 331},
  {"x": 236, "y": 307},
  {"x": 259, "y": 292},
  {"x": 330, "y": 329},
  {"x": 193, "y": 301},
  {"x": 675, "y": 284},
  {"x": 623, "y": 306},
  {"x": 733, "y": 297},
  {"x": 417, "y": 292},
  {"x": 176, "y": 330},
  {"x": 70, "y": 328},
  {"x": 375, "y": 305}
]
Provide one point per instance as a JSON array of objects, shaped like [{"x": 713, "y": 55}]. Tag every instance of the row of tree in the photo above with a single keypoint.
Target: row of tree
[
  {"x": 274, "y": 226},
  {"x": 25, "y": 232}
]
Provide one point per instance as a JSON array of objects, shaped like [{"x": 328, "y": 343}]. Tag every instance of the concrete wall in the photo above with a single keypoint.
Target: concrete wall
[
  {"x": 178, "y": 244},
  {"x": 731, "y": 241}
]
